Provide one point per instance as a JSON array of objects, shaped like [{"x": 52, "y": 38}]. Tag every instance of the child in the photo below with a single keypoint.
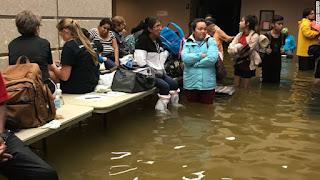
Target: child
[
  {"x": 290, "y": 43},
  {"x": 271, "y": 63}
]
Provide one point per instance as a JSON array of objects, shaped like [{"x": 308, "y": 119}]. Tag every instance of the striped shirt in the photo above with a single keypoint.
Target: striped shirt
[{"x": 107, "y": 44}]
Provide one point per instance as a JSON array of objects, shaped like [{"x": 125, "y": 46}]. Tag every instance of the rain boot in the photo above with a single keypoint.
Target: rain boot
[
  {"x": 162, "y": 102},
  {"x": 175, "y": 97}
]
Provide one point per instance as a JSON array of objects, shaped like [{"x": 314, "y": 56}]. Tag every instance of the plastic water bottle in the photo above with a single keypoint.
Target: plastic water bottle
[
  {"x": 59, "y": 93},
  {"x": 57, "y": 101}
]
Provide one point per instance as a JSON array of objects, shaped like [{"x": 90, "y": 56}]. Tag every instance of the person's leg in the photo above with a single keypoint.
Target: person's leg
[
  {"x": 237, "y": 78},
  {"x": 236, "y": 82},
  {"x": 174, "y": 90},
  {"x": 164, "y": 95},
  {"x": 246, "y": 76},
  {"x": 51, "y": 85},
  {"x": 317, "y": 74},
  {"x": 25, "y": 164},
  {"x": 110, "y": 65},
  {"x": 246, "y": 82},
  {"x": 54, "y": 78},
  {"x": 192, "y": 95},
  {"x": 207, "y": 96},
  {"x": 174, "y": 85}
]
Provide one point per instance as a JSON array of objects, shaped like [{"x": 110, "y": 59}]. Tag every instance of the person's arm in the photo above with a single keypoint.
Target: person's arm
[
  {"x": 307, "y": 31},
  {"x": 223, "y": 36},
  {"x": 140, "y": 53},
  {"x": 116, "y": 51},
  {"x": 233, "y": 51},
  {"x": 190, "y": 58},
  {"x": 3, "y": 113},
  {"x": 212, "y": 55}
]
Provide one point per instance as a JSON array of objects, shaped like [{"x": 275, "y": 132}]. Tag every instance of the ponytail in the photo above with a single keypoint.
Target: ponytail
[
  {"x": 76, "y": 32},
  {"x": 253, "y": 23}
]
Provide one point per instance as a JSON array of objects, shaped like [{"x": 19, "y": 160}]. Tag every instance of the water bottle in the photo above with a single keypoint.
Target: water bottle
[
  {"x": 57, "y": 101},
  {"x": 59, "y": 91}
]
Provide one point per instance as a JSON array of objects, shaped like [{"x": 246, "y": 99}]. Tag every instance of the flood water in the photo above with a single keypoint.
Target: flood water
[{"x": 263, "y": 133}]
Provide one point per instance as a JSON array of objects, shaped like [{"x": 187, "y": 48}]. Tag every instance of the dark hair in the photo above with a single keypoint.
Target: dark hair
[
  {"x": 277, "y": 18},
  {"x": 105, "y": 21},
  {"x": 85, "y": 32},
  {"x": 210, "y": 21},
  {"x": 149, "y": 22},
  {"x": 194, "y": 23},
  {"x": 208, "y": 15},
  {"x": 306, "y": 12},
  {"x": 253, "y": 23},
  {"x": 98, "y": 45},
  {"x": 138, "y": 27}
]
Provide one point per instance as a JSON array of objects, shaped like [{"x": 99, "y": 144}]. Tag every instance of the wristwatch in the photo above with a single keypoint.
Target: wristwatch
[{"x": 4, "y": 137}]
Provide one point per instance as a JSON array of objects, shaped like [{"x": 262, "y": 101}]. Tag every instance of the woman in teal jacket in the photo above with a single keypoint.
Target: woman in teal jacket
[{"x": 199, "y": 54}]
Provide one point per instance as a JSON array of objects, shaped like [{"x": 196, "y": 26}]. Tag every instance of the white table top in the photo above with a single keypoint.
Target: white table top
[
  {"x": 71, "y": 113},
  {"x": 106, "y": 105}
]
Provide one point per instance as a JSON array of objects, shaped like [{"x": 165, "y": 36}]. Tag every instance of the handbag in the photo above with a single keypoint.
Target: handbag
[
  {"x": 220, "y": 69},
  {"x": 132, "y": 80}
]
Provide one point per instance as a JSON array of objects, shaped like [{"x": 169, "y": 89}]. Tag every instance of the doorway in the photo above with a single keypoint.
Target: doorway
[{"x": 226, "y": 13}]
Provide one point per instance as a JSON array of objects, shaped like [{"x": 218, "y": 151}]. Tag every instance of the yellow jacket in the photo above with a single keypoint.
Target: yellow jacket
[{"x": 306, "y": 37}]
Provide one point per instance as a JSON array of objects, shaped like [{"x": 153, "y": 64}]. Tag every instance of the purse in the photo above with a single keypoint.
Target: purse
[
  {"x": 131, "y": 80},
  {"x": 220, "y": 69}
]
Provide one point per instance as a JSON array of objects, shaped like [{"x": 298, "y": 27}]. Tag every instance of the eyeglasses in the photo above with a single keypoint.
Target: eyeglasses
[{"x": 159, "y": 26}]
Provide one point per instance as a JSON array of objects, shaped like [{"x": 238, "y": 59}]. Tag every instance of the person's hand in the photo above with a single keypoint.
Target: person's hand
[
  {"x": 282, "y": 50},
  {"x": 204, "y": 55},
  {"x": 4, "y": 156},
  {"x": 268, "y": 51},
  {"x": 117, "y": 63}
]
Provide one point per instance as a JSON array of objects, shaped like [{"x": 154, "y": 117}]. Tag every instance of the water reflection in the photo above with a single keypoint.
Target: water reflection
[{"x": 265, "y": 132}]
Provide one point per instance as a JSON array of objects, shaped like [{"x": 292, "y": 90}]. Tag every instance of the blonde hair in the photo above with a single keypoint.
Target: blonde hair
[
  {"x": 117, "y": 21},
  {"x": 76, "y": 32},
  {"x": 27, "y": 22}
]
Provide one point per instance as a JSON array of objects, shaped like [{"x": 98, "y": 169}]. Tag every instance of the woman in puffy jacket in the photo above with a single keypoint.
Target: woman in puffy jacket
[
  {"x": 149, "y": 52},
  {"x": 247, "y": 61},
  {"x": 199, "y": 54}
]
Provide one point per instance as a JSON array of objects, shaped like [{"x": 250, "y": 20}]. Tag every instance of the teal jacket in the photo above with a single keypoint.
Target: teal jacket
[{"x": 199, "y": 73}]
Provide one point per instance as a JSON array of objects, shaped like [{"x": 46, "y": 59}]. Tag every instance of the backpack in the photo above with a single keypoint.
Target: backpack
[
  {"x": 30, "y": 100},
  {"x": 171, "y": 40},
  {"x": 132, "y": 39}
]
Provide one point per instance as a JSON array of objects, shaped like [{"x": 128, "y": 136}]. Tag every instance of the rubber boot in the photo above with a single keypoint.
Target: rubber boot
[
  {"x": 175, "y": 97},
  {"x": 162, "y": 102}
]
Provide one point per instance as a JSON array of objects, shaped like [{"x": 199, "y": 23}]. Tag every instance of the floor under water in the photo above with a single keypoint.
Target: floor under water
[{"x": 263, "y": 133}]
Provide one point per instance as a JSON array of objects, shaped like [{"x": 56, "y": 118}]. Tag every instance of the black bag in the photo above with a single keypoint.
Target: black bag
[
  {"x": 174, "y": 67},
  {"x": 131, "y": 81}
]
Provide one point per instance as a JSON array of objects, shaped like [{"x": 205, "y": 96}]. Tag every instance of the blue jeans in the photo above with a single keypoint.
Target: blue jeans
[
  {"x": 24, "y": 164},
  {"x": 165, "y": 84}
]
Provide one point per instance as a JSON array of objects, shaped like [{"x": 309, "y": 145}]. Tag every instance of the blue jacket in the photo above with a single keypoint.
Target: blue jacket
[
  {"x": 199, "y": 73},
  {"x": 290, "y": 43}
]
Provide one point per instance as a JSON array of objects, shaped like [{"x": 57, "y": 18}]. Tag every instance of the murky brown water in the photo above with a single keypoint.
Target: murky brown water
[{"x": 263, "y": 133}]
